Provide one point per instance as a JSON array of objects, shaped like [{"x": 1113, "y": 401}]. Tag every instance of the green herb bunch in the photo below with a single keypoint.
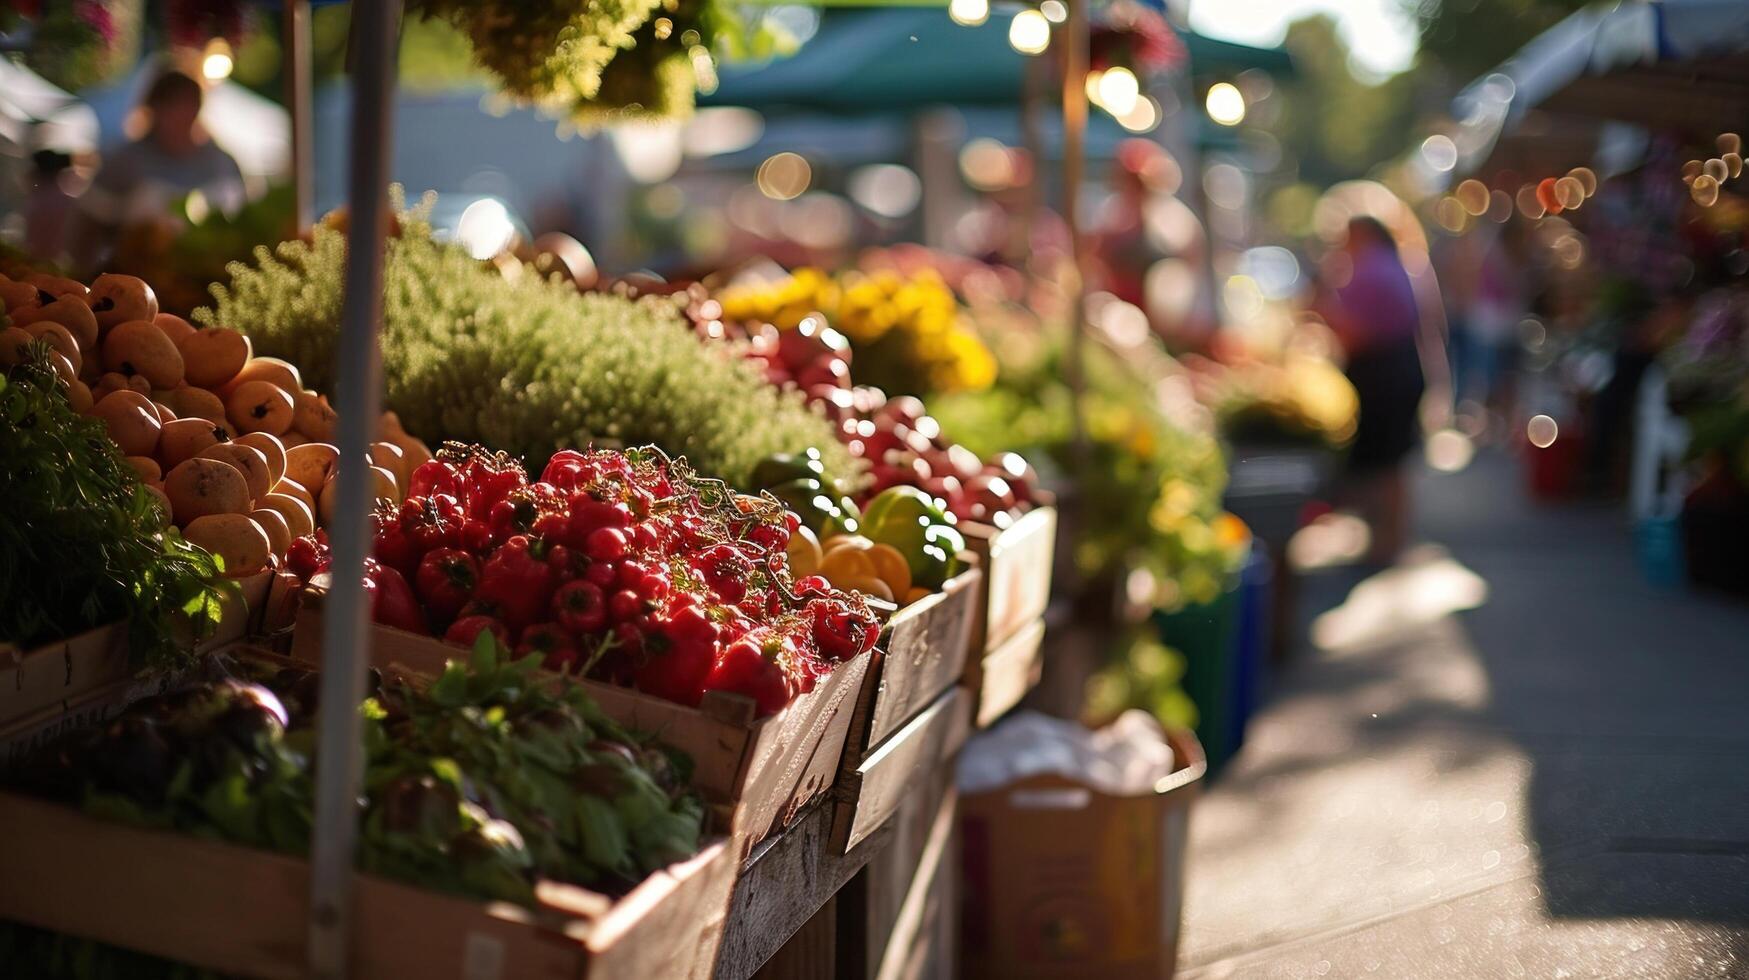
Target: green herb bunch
[
  {"x": 83, "y": 543},
  {"x": 525, "y": 366}
]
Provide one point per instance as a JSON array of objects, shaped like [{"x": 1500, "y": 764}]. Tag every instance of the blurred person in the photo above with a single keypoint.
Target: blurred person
[
  {"x": 138, "y": 182},
  {"x": 1484, "y": 338},
  {"x": 1122, "y": 245},
  {"x": 1369, "y": 301},
  {"x": 49, "y": 206}
]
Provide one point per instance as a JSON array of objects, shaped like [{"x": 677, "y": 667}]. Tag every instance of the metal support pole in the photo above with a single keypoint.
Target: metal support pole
[
  {"x": 295, "y": 78},
  {"x": 1074, "y": 38},
  {"x": 375, "y": 25}
]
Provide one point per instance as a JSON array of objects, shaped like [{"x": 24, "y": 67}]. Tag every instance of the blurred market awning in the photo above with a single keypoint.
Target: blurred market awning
[
  {"x": 35, "y": 114},
  {"x": 895, "y": 59},
  {"x": 1672, "y": 65}
]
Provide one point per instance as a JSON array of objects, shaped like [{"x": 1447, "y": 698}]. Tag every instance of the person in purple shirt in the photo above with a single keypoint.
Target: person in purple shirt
[{"x": 1370, "y": 302}]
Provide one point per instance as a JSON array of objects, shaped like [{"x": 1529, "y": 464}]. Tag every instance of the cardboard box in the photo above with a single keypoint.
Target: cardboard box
[
  {"x": 1061, "y": 880},
  {"x": 921, "y": 653}
]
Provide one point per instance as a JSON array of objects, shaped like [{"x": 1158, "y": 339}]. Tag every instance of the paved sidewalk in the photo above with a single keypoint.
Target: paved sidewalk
[{"x": 1509, "y": 758}]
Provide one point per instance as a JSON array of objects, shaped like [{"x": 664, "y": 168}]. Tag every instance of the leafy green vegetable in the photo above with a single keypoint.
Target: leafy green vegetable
[
  {"x": 81, "y": 545},
  {"x": 525, "y": 366},
  {"x": 473, "y": 786}
]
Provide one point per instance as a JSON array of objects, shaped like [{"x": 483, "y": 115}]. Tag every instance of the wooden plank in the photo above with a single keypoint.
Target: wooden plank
[
  {"x": 901, "y": 913},
  {"x": 1006, "y": 673},
  {"x": 764, "y": 770},
  {"x": 1017, "y": 573},
  {"x": 922, "y": 653},
  {"x": 871, "y": 793},
  {"x": 59, "y": 673},
  {"x": 811, "y": 953},
  {"x": 785, "y": 882},
  {"x": 243, "y": 911}
]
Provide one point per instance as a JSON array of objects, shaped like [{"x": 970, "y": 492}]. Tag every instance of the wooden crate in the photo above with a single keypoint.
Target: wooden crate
[
  {"x": 62, "y": 674},
  {"x": 922, "y": 653},
  {"x": 1017, "y": 573},
  {"x": 243, "y": 911},
  {"x": 760, "y": 770},
  {"x": 899, "y": 918},
  {"x": 59, "y": 673},
  {"x": 869, "y": 794},
  {"x": 999, "y": 679}
]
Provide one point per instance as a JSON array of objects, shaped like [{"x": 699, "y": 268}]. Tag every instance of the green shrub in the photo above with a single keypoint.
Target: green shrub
[{"x": 529, "y": 366}]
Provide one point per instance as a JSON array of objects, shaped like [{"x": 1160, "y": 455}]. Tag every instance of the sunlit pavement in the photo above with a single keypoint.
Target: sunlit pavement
[{"x": 1510, "y": 757}]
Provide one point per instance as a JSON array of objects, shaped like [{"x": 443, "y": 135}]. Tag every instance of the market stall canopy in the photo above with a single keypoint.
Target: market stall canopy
[
  {"x": 1676, "y": 64},
  {"x": 254, "y": 130},
  {"x": 35, "y": 114},
  {"x": 881, "y": 60}
]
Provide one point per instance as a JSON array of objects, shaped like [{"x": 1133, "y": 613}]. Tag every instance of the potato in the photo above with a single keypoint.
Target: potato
[
  {"x": 389, "y": 456},
  {"x": 414, "y": 450},
  {"x": 237, "y": 540},
  {"x": 108, "y": 382},
  {"x": 186, "y": 439},
  {"x": 140, "y": 384},
  {"x": 295, "y": 490},
  {"x": 63, "y": 367},
  {"x": 311, "y": 464},
  {"x": 292, "y": 438},
  {"x": 199, "y": 403},
  {"x": 270, "y": 447},
  {"x": 147, "y": 467},
  {"x": 118, "y": 299},
  {"x": 389, "y": 426},
  {"x": 79, "y": 396},
  {"x": 16, "y": 297},
  {"x": 313, "y": 416},
  {"x": 213, "y": 356},
  {"x": 13, "y": 343},
  {"x": 166, "y": 414},
  {"x": 259, "y": 406},
  {"x": 385, "y": 486},
  {"x": 58, "y": 336},
  {"x": 174, "y": 327},
  {"x": 70, "y": 313},
  {"x": 278, "y": 531},
  {"x": 299, "y": 517},
  {"x": 139, "y": 348},
  {"x": 131, "y": 420},
  {"x": 249, "y": 461},
  {"x": 162, "y": 501},
  {"x": 198, "y": 487},
  {"x": 270, "y": 369},
  {"x": 59, "y": 286},
  {"x": 326, "y": 501}
]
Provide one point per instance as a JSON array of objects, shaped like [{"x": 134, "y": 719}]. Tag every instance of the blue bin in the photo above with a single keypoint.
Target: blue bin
[
  {"x": 1250, "y": 642},
  {"x": 1658, "y": 539}
]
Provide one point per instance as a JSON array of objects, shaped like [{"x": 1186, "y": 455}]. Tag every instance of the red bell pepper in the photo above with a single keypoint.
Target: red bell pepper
[
  {"x": 678, "y": 653},
  {"x": 446, "y": 581},
  {"x": 518, "y": 581}
]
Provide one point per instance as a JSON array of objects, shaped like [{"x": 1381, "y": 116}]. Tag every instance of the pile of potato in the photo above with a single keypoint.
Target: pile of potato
[{"x": 240, "y": 454}]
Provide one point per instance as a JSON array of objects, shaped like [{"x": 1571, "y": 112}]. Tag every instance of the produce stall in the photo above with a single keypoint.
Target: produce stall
[{"x": 663, "y": 623}]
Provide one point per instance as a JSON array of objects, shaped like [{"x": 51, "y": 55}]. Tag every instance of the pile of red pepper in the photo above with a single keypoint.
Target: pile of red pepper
[{"x": 619, "y": 566}]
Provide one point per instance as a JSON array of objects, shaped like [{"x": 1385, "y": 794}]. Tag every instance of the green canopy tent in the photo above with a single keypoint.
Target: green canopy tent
[{"x": 888, "y": 59}]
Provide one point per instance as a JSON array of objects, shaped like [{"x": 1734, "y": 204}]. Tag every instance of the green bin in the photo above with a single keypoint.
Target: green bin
[{"x": 1206, "y": 635}]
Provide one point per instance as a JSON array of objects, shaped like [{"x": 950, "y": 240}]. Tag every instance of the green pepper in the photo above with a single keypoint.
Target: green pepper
[
  {"x": 901, "y": 507},
  {"x": 781, "y": 468},
  {"x": 814, "y": 505}
]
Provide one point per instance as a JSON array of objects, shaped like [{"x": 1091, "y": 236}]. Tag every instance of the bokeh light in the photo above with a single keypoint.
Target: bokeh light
[
  {"x": 1542, "y": 431},
  {"x": 986, "y": 164},
  {"x": 1473, "y": 195},
  {"x": 485, "y": 228},
  {"x": 1225, "y": 104},
  {"x": 1029, "y": 32},
  {"x": 969, "y": 13},
  {"x": 1704, "y": 190},
  {"x": 1119, "y": 90},
  {"x": 784, "y": 176},
  {"x": 1055, "y": 11},
  {"x": 1440, "y": 152},
  {"x": 1142, "y": 118},
  {"x": 887, "y": 189}
]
